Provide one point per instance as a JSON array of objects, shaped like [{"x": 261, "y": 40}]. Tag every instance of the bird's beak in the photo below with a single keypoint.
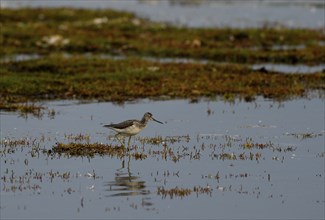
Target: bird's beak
[{"x": 157, "y": 121}]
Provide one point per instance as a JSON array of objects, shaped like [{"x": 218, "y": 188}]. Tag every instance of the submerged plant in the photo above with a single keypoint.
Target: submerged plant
[{"x": 87, "y": 149}]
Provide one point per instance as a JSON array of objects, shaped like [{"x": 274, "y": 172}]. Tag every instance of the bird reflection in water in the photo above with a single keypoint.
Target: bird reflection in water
[{"x": 125, "y": 184}]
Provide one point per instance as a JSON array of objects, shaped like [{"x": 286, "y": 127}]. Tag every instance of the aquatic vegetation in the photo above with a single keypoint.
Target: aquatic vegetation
[
  {"x": 139, "y": 156},
  {"x": 249, "y": 144},
  {"x": 305, "y": 135},
  {"x": 202, "y": 190},
  {"x": 173, "y": 148},
  {"x": 163, "y": 140},
  {"x": 66, "y": 41},
  {"x": 32, "y": 180},
  {"x": 25, "y": 108},
  {"x": 79, "y": 137},
  {"x": 91, "y": 78},
  {"x": 8, "y": 142},
  {"x": 11, "y": 145},
  {"x": 87, "y": 149},
  {"x": 240, "y": 156},
  {"x": 112, "y": 32},
  {"x": 178, "y": 192},
  {"x": 182, "y": 192}
]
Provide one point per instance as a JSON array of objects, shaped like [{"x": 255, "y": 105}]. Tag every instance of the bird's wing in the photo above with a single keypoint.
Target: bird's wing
[{"x": 121, "y": 125}]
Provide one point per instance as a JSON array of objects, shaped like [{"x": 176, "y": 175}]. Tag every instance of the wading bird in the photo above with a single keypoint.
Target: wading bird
[{"x": 131, "y": 127}]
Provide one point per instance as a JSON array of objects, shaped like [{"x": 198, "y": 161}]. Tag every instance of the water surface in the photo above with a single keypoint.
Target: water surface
[{"x": 217, "y": 139}]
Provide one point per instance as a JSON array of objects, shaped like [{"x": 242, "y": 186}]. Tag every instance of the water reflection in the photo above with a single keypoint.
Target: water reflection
[{"x": 125, "y": 183}]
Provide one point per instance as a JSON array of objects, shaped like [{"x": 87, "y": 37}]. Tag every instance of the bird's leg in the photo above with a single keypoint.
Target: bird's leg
[
  {"x": 129, "y": 141},
  {"x": 129, "y": 172},
  {"x": 117, "y": 135},
  {"x": 123, "y": 162}
]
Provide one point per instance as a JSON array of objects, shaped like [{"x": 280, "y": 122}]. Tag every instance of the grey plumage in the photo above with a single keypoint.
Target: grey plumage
[
  {"x": 121, "y": 125},
  {"x": 131, "y": 127}
]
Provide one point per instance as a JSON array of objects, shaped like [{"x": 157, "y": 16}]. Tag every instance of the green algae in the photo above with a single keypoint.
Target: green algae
[
  {"x": 63, "y": 37},
  {"x": 78, "y": 149},
  {"x": 183, "y": 192},
  {"x": 87, "y": 149},
  {"x": 130, "y": 79},
  {"x": 44, "y": 31}
]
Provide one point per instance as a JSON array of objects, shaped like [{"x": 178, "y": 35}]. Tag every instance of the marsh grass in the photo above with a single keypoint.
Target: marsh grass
[
  {"x": 44, "y": 31},
  {"x": 183, "y": 192},
  {"x": 56, "y": 32},
  {"x": 130, "y": 79},
  {"x": 88, "y": 149}
]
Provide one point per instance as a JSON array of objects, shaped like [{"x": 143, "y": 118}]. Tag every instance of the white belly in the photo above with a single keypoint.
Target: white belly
[{"x": 132, "y": 130}]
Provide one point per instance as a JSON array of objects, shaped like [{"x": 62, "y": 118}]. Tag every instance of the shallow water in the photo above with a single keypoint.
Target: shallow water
[
  {"x": 239, "y": 14},
  {"x": 277, "y": 67},
  {"x": 285, "y": 181},
  {"x": 287, "y": 68}
]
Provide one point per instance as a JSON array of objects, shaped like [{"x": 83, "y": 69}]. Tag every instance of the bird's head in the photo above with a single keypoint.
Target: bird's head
[{"x": 148, "y": 116}]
